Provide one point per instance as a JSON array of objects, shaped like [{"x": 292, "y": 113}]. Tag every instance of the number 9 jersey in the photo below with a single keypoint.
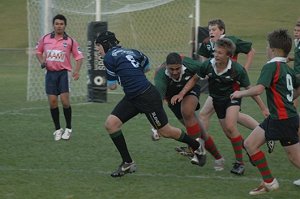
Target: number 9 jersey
[
  {"x": 279, "y": 80},
  {"x": 127, "y": 67}
]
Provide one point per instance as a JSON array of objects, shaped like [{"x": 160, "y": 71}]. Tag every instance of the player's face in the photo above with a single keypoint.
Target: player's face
[
  {"x": 214, "y": 32},
  {"x": 174, "y": 70},
  {"x": 297, "y": 32},
  {"x": 221, "y": 56},
  {"x": 100, "y": 49},
  {"x": 59, "y": 26}
]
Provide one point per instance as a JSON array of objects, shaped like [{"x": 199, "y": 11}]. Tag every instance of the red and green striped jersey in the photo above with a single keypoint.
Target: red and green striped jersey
[
  {"x": 279, "y": 80},
  {"x": 223, "y": 84}
]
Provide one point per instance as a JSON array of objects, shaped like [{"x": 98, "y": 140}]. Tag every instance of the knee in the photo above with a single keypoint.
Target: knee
[
  {"x": 53, "y": 103},
  {"x": 112, "y": 125},
  {"x": 248, "y": 146}
]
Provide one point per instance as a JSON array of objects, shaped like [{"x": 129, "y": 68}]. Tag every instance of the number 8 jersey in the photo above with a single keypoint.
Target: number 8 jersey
[
  {"x": 127, "y": 67},
  {"x": 279, "y": 80}
]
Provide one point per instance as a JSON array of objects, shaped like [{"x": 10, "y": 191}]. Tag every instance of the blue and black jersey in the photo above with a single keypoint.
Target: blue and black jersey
[{"x": 127, "y": 67}]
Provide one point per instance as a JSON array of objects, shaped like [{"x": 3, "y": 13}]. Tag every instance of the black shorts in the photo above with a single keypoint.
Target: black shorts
[
  {"x": 286, "y": 131},
  {"x": 148, "y": 102},
  {"x": 176, "y": 108},
  {"x": 57, "y": 82},
  {"x": 221, "y": 106}
]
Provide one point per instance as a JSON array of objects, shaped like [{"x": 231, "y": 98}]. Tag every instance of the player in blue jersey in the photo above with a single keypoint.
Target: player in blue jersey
[{"x": 127, "y": 67}]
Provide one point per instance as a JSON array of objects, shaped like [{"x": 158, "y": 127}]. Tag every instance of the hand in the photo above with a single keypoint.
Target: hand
[
  {"x": 265, "y": 112},
  {"x": 176, "y": 98},
  {"x": 235, "y": 94},
  {"x": 75, "y": 75},
  {"x": 43, "y": 65}
]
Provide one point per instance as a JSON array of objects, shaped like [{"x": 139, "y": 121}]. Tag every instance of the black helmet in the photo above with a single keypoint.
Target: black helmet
[{"x": 107, "y": 39}]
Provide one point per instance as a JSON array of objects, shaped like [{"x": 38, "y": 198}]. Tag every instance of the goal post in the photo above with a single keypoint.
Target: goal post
[{"x": 155, "y": 27}]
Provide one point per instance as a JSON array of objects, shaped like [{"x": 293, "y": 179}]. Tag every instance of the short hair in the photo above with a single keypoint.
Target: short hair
[
  {"x": 280, "y": 39},
  {"x": 219, "y": 22},
  {"x": 227, "y": 44},
  {"x": 60, "y": 17},
  {"x": 173, "y": 58}
]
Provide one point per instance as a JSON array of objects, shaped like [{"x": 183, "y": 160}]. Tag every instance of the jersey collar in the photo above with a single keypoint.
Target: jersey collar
[
  {"x": 296, "y": 41},
  {"x": 278, "y": 59},
  {"x": 212, "y": 44},
  {"x": 65, "y": 36},
  {"x": 213, "y": 63},
  {"x": 183, "y": 68}
]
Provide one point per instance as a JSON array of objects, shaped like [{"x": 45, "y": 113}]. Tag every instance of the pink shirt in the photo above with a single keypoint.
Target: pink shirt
[{"x": 58, "y": 52}]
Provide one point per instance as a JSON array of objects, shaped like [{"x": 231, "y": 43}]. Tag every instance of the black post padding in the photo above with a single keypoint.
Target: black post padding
[{"x": 97, "y": 87}]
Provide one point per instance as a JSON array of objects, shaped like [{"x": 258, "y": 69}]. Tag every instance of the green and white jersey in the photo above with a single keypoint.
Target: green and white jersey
[
  {"x": 221, "y": 85},
  {"x": 297, "y": 56},
  {"x": 208, "y": 47},
  {"x": 169, "y": 87},
  {"x": 279, "y": 80}
]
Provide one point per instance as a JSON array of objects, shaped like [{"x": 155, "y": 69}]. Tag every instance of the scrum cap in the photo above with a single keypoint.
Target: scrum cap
[{"x": 107, "y": 39}]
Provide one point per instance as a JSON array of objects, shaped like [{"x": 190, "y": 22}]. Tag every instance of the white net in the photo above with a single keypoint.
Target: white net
[{"x": 155, "y": 27}]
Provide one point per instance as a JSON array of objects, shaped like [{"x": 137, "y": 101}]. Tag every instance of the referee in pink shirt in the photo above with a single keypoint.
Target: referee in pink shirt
[{"x": 53, "y": 51}]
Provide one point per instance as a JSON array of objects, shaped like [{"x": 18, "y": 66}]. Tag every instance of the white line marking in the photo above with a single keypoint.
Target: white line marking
[{"x": 77, "y": 171}]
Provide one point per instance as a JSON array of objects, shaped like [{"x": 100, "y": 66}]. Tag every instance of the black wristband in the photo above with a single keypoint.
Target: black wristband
[{"x": 43, "y": 65}]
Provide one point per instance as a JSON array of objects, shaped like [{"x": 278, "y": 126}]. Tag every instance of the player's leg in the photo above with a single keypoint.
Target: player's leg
[
  {"x": 195, "y": 128},
  {"x": 291, "y": 143},
  {"x": 52, "y": 93},
  {"x": 247, "y": 121},
  {"x": 206, "y": 112},
  {"x": 252, "y": 144},
  {"x": 121, "y": 114},
  {"x": 54, "y": 110},
  {"x": 188, "y": 107},
  {"x": 65, "y": 100},
  {"x": 293, "y": 153},
  {"x": 229, "y": 126}
]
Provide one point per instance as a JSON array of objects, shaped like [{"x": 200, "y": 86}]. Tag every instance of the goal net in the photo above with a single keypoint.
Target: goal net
[{"x": 155, "y": 27}]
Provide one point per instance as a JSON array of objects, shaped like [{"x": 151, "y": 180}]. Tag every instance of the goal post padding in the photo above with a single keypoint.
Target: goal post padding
[{"x": 97, "y": 91}]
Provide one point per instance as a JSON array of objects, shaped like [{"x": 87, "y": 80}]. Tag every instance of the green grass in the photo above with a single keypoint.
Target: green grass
[{"x": 34, "y": 166}]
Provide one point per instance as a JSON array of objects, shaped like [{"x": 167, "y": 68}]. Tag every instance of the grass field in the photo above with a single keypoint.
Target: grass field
[{"x": 34, "y": 166}]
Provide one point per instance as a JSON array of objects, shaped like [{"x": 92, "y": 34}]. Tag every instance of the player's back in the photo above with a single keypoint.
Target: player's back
[
  {"x": 279, "y": 80},
  {"x": 128, "y": 65}
]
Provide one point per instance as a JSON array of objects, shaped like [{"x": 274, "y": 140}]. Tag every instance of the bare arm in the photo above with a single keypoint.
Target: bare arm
[
  {"x": 262, "y": 106},
  {"x": 188, "y": 86},
  {"x": 40, "y": 58},
  {"x": 296, "y": 93},
  {"x": 77, "y": 69},
  {"x": 253, "y": 91},
  {"x": 249, "y": 59}
]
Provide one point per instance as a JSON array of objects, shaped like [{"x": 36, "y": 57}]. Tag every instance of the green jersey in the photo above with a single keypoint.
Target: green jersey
[
  {"x": 297, "y": 57},
  {"x": 222, "y": 84},
  {"x": 169, "y": 87},
  {"x": 208, "y": 47},
  {"x": 279, "y": 80}
]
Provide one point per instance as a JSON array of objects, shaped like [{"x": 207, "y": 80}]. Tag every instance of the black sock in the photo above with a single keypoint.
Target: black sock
[
  {"x": 68, "y": 117},
  {"x": 55, "y": 117},
  {"x": 189, "y": 141},
  {"x": 120, "y": 143}
]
